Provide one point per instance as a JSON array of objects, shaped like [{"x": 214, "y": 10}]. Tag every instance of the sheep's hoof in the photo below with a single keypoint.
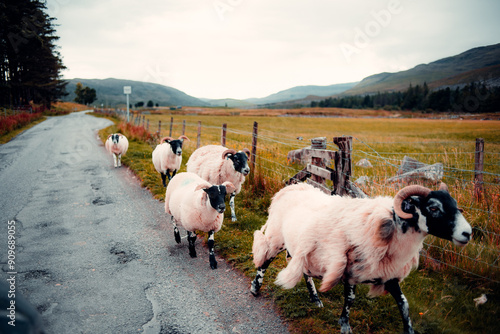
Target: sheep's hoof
[
  {"x": 345, "y": 328},
  {"x": 233, "y": 218},
  {"x": 192, "y": 253},
  {"x": 177, "y": 236},
  {"x": 255, "y": 289},
  {"x": 213, "y": 262}
]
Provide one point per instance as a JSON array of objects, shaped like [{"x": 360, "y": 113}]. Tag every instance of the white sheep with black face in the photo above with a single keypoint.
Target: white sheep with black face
[
  {"x": 217, "y": 164},
  {"x": 167, "y": 157},
  {"x": 356, "y": 240},
  {"x": 117, "y": 146},
  {"x": 195, "y": 204}
]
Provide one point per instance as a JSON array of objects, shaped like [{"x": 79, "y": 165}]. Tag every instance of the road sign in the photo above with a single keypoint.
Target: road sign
[{"x": 127, "y": 89}]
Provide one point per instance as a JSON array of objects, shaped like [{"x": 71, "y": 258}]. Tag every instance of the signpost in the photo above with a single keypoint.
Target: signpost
[{"x": 127, "y": 90}]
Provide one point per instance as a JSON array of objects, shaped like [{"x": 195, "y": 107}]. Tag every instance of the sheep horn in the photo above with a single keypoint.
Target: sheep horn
[
  {"x": 183, "y": 137},
  {"x": 247, "y": 151},
  {"x": 110, "y": 135},
  {"x": 226, "y": 152},
  {"x": 166, "y": 139},
  {"x": 414, "y": 190}
]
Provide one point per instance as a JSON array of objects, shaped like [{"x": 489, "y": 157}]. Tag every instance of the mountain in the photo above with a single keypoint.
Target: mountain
[
  {"x": 471, "y": 64},
  {"x": 110, "y": 93},
  {"x": 293, "y": 93}
]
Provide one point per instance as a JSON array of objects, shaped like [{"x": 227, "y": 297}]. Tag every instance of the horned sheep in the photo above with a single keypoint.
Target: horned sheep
[
  {"x": 217, "y": 164},
  {"x": 167, "y": 157},
  {"x": 359, "y": 241},
  {"x": 117, "y": 146},
  {"x": 195, "y": 204}
]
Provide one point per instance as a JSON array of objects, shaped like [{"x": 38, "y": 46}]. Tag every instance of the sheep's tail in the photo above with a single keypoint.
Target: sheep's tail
[
  {"x": 260, "y": 247},
  {"x": 292, "y": 274}
]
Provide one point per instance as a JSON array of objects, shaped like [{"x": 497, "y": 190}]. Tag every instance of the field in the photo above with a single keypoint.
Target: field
[{"x": 440, "y": 291}]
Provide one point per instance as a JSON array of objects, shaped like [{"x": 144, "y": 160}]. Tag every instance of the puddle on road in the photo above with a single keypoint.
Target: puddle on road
[{"x": 153, "y": 326}]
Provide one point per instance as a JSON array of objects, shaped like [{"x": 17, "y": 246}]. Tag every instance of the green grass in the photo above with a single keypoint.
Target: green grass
[{"x": 440, "y": 297}]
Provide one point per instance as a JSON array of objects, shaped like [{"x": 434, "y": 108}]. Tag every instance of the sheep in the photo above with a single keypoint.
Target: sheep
[
  {"x": 360, "y": 241},
  {"x": 195, "y": 204},
  {"x": 216, "y": 164},
  {"x": 117, "y": 145},
  {"x": 167, "y": 157}
]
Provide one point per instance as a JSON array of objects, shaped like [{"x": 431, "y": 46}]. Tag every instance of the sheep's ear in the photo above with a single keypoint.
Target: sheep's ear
[
  {"x": 230, "y": 188},
  {"x": 203, "y": 186}
]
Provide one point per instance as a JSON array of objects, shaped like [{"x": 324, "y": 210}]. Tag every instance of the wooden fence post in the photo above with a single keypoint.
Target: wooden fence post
[
  {"x": 159, "y": 129},
  {"x": 147, "y": 126},
  {"x": 254, "y": 145},
  {"x": 318, "y": 144},
  {"x": 183, "y": 127},
  {"x": 223, "y": 135},
  {"x": 343, "y": 165},
  {"x": 199, "y": 135},
  {"x": 171, "y": 126},
  {"x": 478, "y": 168}
]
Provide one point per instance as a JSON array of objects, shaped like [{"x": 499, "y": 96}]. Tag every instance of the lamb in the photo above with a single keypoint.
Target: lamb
[
  {"x": 117, "y": 145},
  {"x": 167, "y": 157},
  {"x": 217, "y": 164},
  {"x": 359, "y": 241},
  {"x": 196, "y": 204}
]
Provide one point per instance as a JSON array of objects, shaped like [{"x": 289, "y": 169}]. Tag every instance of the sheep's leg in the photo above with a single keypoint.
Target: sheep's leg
[
  {"x": 231, "y": 204},
  {"x": 349, "y": 296},
  {"x": 395, "y": 290},
  {"x": 168, "y": 174},
  {"x": 119, "y": 160},
  {"x": 173, "y": 173},
  {"x": 115, "y": 160},
  {"x": 257, "y": 282},
  {"x": 211, "y": 249},
  {"x": 164, "y": 179},
  {"x": 191, "y": 241},
  {"x": 177, "y": 235},
  {"x": 313, "y": 294}
]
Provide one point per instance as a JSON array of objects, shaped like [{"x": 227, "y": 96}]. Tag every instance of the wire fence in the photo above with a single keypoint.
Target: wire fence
[{"x": 480, "y": 258}]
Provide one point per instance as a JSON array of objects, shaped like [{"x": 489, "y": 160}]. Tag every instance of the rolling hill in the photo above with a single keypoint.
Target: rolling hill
[
  {"x": 471, "y": 65},
  {"x": 110, "y": 93}
]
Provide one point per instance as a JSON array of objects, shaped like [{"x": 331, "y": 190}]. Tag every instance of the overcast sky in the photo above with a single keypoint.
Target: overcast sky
[{"x": 253, "y": 48}]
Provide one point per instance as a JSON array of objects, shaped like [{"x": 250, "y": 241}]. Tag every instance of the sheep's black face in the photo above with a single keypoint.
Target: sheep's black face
[
  {"x": 240, "y": 162},
  {"x": 115, "y": 138},
  {"x": 176, "y": 146},
  {"x": 444, "y": 219},
  {"x": 217, "y": 197}
]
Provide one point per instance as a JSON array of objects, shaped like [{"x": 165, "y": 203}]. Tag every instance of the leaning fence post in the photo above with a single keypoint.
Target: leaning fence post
[
  {"x": 223, "y": 135},
  {"x": 171, "y": 125},
  {"x": 343, "y": 165},
  {"x": 478, "y": 168},
  {"x": 254, "y": 145},
  {"x": 318, "y": 144},
  {"x": 199, "y": 135}
]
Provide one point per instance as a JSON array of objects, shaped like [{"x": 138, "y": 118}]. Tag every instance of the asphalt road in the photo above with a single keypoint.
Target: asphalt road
[{"x": 94, "y": 252}]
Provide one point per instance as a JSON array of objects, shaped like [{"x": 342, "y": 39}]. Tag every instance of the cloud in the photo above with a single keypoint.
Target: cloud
[{"x": 241, "y": 48}]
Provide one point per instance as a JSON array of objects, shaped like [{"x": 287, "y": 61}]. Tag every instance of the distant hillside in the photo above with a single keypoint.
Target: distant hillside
[
  {"x": 447, "y": 70},
  {"x": 299, "y": 92},
  {"x": 110, "y": 93}
]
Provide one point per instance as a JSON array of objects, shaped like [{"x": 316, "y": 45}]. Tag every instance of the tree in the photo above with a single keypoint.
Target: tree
[
  {"x": 150, "y": 104},
  {"x": 30, "y": 64},
  {"x": 84, "y": 95}
]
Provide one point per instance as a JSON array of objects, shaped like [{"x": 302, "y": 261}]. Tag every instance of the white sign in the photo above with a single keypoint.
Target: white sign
[{"x": 127, "y": 89}]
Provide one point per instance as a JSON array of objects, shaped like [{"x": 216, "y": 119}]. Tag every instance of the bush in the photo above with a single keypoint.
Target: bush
[{"x": 13, "y": 122}]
